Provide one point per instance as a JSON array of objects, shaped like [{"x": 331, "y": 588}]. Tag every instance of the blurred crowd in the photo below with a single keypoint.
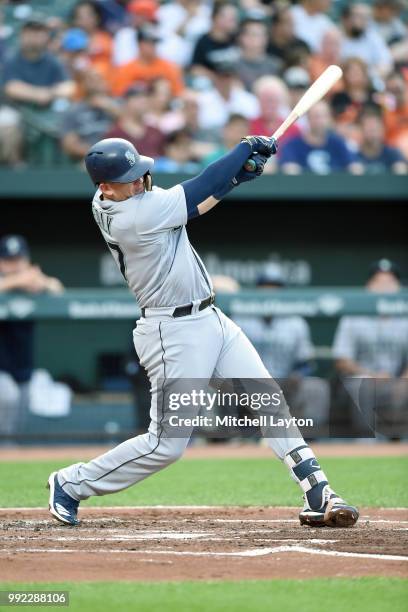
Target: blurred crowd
[{"x": 185, "y": 80}]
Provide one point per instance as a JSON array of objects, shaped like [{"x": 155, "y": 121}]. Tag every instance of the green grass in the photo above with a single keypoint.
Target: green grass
[
  {"x": 370, "y": 481},
  {"x": 336, "y": 595}
]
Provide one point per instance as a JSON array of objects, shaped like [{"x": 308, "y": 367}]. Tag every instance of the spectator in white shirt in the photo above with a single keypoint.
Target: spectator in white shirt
[
  {"x": 181, "y": 24},
  {"x": 361, "y": 40},
  {"x": 392, "y": 29},
  {"x": 226, "y": 97},
  {"x": 311, "y": 21},
  {"x": 125, "y": 43},
  {"x": 388, "y": 22}
]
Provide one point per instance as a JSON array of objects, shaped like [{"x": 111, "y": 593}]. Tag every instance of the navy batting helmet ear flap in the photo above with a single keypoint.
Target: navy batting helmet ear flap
[{"x": 115, "y": 160}]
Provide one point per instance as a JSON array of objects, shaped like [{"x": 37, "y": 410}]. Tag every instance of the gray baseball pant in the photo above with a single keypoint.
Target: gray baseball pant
[{"x": 198, "y": 346}]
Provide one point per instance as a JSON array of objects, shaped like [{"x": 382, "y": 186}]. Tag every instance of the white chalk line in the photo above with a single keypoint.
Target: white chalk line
[
  {"x": 256, "y": 552},
  {"x": 120, "y": 538},
  {"x": 176, "y": 507},
  {"x": 296, "y": 547}
]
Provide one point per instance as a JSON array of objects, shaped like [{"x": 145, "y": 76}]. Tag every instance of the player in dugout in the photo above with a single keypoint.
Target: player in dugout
[{"x": 18, "y": 273}]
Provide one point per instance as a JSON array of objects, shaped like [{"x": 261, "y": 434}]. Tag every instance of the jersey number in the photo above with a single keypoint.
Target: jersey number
[{"x": 121, "y": 258}]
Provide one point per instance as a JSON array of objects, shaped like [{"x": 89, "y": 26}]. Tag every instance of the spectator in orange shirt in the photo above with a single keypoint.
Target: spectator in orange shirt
[
  {"x": 329, "y": 54},
  {"x": 87, "y": 16},
  {"x": 396, "y": 115},
  {"x": 148, "y": 66}
]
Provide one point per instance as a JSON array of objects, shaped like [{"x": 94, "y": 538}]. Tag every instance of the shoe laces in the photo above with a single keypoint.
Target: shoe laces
[{"x": 330, "y": 494}]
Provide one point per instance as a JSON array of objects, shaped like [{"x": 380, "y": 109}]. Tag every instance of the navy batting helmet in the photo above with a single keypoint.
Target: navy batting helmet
[{"x": 115, "y": 160}]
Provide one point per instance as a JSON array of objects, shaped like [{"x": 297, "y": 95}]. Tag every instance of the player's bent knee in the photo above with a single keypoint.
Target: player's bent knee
[
  {"x": 174, "y": 456},
  {"x": 172, "y": 449}
]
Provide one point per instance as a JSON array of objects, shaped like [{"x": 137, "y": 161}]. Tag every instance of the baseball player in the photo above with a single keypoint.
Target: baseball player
[
  {"x": 376, "y": 348},
  {"x": 181, "y": 333}
]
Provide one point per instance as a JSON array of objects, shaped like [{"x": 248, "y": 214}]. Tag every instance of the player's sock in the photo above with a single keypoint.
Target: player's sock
[{"x": 306, "y": 471}]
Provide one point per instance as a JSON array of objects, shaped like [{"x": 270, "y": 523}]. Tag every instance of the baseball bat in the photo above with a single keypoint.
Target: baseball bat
[{"x": 316, "y": 91}]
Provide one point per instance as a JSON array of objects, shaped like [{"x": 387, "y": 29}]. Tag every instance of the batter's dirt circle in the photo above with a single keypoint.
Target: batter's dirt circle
[{"x": 198, "y": 543}]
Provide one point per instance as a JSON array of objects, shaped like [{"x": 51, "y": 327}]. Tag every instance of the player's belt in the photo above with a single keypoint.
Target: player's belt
[{"x": 187, "y": 309}]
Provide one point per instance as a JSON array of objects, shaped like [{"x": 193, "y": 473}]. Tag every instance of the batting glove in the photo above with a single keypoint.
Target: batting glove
[
  {"x": 262, "y": 144},
  {"x": 250, "y": 171}
]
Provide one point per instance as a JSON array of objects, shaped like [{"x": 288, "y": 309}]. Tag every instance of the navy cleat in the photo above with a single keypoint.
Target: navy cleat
[
  {"x": 334, "y": 511},
  {"x": 62, "y": 507}
]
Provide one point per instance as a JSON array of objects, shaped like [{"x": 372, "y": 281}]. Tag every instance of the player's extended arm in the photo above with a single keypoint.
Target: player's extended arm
[
  {"x": 212, "y": 184},
  {"x": 214, "y": 178},
  {"x": 207, "y": 205},
  {"x": 242, "y": 176}
]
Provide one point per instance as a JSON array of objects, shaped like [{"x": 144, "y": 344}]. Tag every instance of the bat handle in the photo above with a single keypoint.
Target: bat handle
[{"x": 250, "y": 165}]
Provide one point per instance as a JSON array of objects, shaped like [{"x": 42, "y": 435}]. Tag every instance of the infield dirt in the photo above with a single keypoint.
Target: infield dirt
[{"x": 198, "y": 543}]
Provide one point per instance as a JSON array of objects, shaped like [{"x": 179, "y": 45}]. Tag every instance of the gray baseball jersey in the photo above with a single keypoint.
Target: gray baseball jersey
[
  {"x": 379, "y": 344},
  {"x": 148, "y": 239},
  {"x": 281, "y": 342}
]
